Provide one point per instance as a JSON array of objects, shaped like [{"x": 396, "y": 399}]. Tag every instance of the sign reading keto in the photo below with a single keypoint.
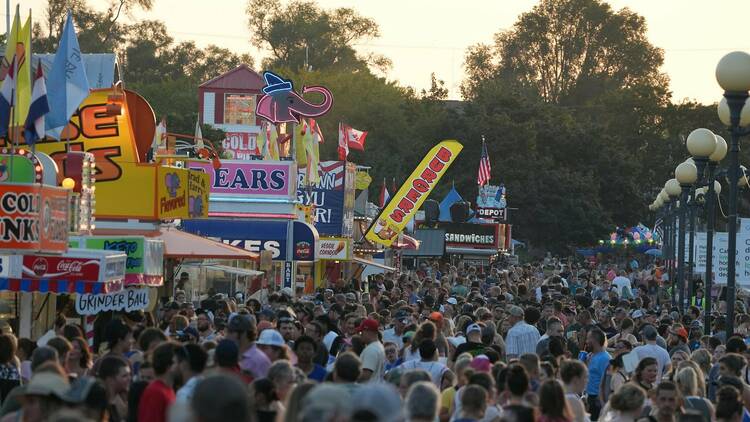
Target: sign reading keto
[
  {"x": 405, "y": 203},
  {"x": 125, "y": 300},
  {"x": 143, "y": 264},
  {"x": 33, "y": 218},
  {"x": 270, "y": 179}
]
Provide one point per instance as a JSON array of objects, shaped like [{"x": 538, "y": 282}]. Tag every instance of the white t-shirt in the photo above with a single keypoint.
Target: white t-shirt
[
  {"x": 621, "y": 283},
  {"x": 390, "y": 335},
  {"x": 653, "y": 351},
  {"x": 373, "y": 358},
  {"x": 434, "y": 368}
]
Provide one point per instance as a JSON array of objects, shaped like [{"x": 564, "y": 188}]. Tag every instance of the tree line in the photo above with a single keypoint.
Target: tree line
[{"x": 580, "y": 124}]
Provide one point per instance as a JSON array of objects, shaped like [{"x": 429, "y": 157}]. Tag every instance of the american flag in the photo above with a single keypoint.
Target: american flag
[{"x": 483, "y": 175}]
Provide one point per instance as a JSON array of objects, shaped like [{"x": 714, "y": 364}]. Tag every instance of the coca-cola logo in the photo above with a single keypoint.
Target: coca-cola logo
[
  {"x": 39, "y": 266},
  {"x": 303, "y": 249},
  {"x": 69, "y": 266}
]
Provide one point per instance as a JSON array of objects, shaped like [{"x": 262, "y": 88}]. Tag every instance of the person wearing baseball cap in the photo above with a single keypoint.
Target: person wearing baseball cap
[
  {"x": 678, "y": 339},
  {"x": 473, "y": 344},
  {"x": 373, "y": 356},
  {"x": 395, "y": 334}
]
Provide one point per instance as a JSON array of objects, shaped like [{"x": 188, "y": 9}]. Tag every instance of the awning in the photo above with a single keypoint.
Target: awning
[
  {"x": 406, "y": 242},
  {"x": 471, "y": 251},
  {"x": 371, "y": 263},
  {"x": 179, "y": 244},
  {"x": 226, "y": 269},
  {"x": 58, "y": 286},
  {"x": 76, "y": 271}
]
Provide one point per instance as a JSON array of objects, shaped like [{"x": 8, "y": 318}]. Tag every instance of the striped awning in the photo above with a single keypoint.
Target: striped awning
[{"x": 59, "y": 286}]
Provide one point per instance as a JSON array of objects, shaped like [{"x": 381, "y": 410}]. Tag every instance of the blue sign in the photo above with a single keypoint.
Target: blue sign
[
  {"x": 288, "y": 274},
  {"x": 329, "y": 198},
  {"x": 260, "y": 235}
]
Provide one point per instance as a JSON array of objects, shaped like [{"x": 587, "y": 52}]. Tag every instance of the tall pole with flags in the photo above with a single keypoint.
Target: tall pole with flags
[{"x": 483, "y": 175}]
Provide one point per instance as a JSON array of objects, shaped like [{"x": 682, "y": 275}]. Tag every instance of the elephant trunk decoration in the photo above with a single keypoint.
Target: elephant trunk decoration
[{"x": 280, "y": 104}]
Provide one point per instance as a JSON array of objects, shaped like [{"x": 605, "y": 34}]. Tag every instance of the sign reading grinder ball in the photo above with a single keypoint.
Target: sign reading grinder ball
[{"x": 125, "y": 300}]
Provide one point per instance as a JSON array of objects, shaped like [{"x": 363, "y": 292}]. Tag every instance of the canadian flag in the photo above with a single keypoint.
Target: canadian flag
[{"x": 350, "y": 138}]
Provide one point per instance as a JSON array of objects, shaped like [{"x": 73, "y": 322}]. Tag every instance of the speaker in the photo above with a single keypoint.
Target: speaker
[
  {"x": 460, "y": 211},
  {"x": 431, "y": 211}
]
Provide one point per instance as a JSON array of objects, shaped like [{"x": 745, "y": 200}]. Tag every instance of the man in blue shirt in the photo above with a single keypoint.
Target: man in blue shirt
[{"x": 597, "y": 362}]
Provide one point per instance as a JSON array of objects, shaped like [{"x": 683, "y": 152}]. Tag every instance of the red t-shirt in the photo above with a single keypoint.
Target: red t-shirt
[{"x": 155, "y": 402}]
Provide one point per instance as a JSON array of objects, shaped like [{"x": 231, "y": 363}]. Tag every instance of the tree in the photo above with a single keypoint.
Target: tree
[
  {"x": 301, "y": 34},
  {"x": 98, "y": 32},
  {"x": 570, "y": 51}
]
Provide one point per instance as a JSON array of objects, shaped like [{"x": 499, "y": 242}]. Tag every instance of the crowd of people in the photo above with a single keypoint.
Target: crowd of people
[{"x": 553, "y": 341}]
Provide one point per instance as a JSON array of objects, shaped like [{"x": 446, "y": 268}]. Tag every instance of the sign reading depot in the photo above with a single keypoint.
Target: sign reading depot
[
  {"x": 415, "y": 190},
  {"x": 33, "y": 218},
  {"x": 126, "y": 187}
]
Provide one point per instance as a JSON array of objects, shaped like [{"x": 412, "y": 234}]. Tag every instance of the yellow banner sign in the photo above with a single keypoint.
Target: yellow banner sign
[
  {"x": 126, "y": 186},
  {"x": 410, "y": 196},
  {"x": 182, "y": 193}
]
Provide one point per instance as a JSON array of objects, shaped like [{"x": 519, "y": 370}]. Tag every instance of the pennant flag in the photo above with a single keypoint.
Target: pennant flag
[
  {"x": 198, "y": 135},
  {"x": 483, "y": 175},
  {"x": 393, "y": 184},
  {"x": 312, "y": 151},
  {"x": 316, "y": 131},
  {"x": 160, "y": 136},
  {"x": 23, "y": 74},
  {"x": 273, "y": 141},
  {"x": 302, "y": 131},
  {"x": 34, "y": 127},
  {"x": 262, "y": 141},
  {"x": 10, "y": 53},
  {"x": 343, "y": 143},
  {"x": 6, "y": 98},
  {"x": 384, "y": 195},
  {"x": 68, "y": 84},
  {"x": 355, "y": 139}
]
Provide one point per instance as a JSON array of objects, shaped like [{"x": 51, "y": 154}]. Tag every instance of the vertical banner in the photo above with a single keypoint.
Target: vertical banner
[
  {"x": 406, "y": 202},
  {"x": 288, "y": 275}
]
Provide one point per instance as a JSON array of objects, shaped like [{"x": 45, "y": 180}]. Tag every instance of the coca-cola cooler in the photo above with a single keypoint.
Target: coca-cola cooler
[{"x": 104, "y": 268}]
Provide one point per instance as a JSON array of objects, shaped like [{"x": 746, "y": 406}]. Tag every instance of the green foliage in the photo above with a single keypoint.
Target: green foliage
[
  {"x": 302, "y": 33},
  {"x": 571, "y": 100}
]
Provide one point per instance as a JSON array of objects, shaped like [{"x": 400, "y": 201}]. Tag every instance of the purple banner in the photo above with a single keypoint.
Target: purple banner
[{"x": 258, "y": 178}]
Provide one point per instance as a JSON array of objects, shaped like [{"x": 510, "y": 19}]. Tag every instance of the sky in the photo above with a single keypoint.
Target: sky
[{"x": 421, "y": 37}]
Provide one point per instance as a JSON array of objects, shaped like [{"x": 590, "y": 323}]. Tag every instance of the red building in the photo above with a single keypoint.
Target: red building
[{"x": 227, "y": 102}]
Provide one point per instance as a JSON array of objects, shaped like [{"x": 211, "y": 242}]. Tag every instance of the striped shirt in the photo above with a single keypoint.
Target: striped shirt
[{"x": 521, "y": 339}]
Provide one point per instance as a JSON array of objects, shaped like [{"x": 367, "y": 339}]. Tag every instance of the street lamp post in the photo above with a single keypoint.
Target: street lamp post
[
  {"x": 733, "y": 75},
  {"x": 713, "y": 190},
  {"x": 673, "y": 189},
  {"x": 686, "y": 174},
  {"x": 701, "y": 144}
]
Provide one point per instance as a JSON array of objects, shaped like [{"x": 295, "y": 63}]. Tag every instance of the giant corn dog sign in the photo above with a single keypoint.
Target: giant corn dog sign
[
  {"x": 405, "y": 203},
  {"x": 126, "y": 185}
]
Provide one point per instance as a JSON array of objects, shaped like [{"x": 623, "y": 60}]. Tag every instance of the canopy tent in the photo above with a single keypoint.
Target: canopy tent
[
  {"x": 406, "y": 242},
  {"x": 445, "y": 205},
  {"x": 182, "y": 245},
  {"x": 226, "y": 269},
  {"x": 364, "y": 261}
]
